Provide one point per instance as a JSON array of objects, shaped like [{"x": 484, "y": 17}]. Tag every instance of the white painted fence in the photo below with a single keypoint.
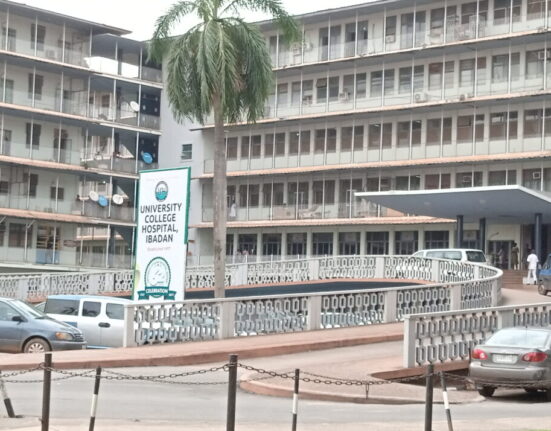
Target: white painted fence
[
  {"x": 453, "y": 286},
  {"x": 450, "y": 336}
]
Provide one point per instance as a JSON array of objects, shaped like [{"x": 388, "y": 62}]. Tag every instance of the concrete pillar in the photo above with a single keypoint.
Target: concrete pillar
[
  {"x": 482, "y": 234},
  {"x": 421, "y": 239},
  {"x": 335, "y": 243},
  {"x": 537, "y": 235},
  {"x": 283, "y": 245},
  {"x": 309, "y": 243},
  {"x": 391, "y": 240},
  {"x": 259, "y": 245},
  {"x": 459, "y": 232},
  {"x": 363, "y": 243}
]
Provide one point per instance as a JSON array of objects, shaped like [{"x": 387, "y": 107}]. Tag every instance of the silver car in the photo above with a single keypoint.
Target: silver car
[
  {"x": 520, "y": 357},
  {"x": 25, "y": 329}
]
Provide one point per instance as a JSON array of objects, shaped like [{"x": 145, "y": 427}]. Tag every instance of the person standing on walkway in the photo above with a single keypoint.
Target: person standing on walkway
[
  {"x": 532, "y": 261},
  {"x": 514, "y": 256}
]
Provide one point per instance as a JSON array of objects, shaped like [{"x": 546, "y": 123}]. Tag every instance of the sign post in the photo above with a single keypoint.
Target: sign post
[{"x": 161, "y": 246}]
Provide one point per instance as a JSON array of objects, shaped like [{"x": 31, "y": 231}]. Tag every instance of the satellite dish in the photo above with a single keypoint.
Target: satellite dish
[
  {"x": 118, "y": 199},
  {"x": 103, "y": 201},
  {"x": 93, "y": 196},
  {"x": 135, "y": 106},
  {"x": 147, "y": 158}
]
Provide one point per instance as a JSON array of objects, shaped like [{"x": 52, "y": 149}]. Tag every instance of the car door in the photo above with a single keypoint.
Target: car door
[
  {"x": 11, "y": 331},
  {"x": 88, "y": 321},
  {"x": 112, "y": 325}
]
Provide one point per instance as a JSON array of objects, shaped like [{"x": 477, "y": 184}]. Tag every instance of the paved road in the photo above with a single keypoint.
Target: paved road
[{"x": 203, "y": 407}]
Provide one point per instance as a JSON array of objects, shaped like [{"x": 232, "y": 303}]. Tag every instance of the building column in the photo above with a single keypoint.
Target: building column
[
  {"x": 363, "y": 243},
  {"x": 234, "y": 246},
  {"x": 421, "y": 239},
  {"x": 309, "y": 244},
  {"x": 391, "y": 240},
  {"x": 537, "y": 235},
  {"x": 482, "y": 234},
  {"x": 259, "y": 244},
  {"x": 283, "y": 245},
  {"x": 459, "y": 232},
  {"x": 335, "y": 243}
]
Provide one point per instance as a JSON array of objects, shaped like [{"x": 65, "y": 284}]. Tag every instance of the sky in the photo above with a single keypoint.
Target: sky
[{"x": 140, "y": 19}]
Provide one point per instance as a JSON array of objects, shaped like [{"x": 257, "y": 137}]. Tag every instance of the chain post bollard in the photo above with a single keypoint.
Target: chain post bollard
[
  {"x": 232, "y": 393},
  {"x": 95, "y": 400},
  {"x": 446, "y": 401},
  {"x": 6, "y": 398},
  {"x": 429, "y": 395},
  {"x": 46, "y": 391},
  {"x": 295, "y": 399}
]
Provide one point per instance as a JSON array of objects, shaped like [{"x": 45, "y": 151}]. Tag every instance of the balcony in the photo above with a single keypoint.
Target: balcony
[
  {"x": 312, "y": 52},
  {"x": 360, "y": 209}
]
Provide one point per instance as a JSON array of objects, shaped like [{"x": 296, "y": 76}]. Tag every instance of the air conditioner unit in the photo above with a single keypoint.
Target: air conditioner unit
[
  {"x": 344, "y": 96},
  {"x": 390, "y": 39},
  {"x": 536, "y": 175},
  {"x": 463, "y": 96},
  {"x": 420, "y": 97}
]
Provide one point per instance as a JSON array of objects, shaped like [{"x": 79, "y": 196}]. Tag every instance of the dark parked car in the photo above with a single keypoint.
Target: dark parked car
[
  {"x": 544, "y": 277},
  {"x": 25, "y": 329},
  {"x": 517, "y": 356}
]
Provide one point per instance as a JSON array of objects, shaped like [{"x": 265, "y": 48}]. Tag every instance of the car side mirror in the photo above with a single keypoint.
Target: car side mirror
[{"x": 18, "y": 319}]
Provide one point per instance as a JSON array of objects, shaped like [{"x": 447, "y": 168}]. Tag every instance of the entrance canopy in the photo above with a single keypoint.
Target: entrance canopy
[{"x": 504, "y": 204}]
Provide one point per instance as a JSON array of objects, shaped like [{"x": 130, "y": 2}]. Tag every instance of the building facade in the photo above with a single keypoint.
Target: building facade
[
  {"x": 79, "y": 116},
  {"x": 388, "y": 95}
]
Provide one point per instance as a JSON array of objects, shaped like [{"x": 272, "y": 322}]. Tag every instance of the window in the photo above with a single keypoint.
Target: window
[
  {"x": 271, "y": 244},
  {"x": 116, "y": 311},
  {"x": 256, "y": 142},
  {"x": 254, "y": 195},
  {"x": 468, "y": 179},
  {"x": 465, "y": 125},
  {"x": 231, "y": 148},
  {"x": 91, "y": 309},
  {"x": 349, "y": 243},
  {"x": 282, "y": 95},
  {"x": 404, "y": 130},
  {"x": 4, "y": 187},
  {"x": 331, "y": 145},
  {"x": 16, "y": 234},
  {"x": 502, "y": 11},
  {"x": 247, "y": 242},
  {"x": 437, "y": 239},
  {"x": 279, "y": 144},
  {"x": 299, "y": 140},
  {"x": 38, "y": 35},
  {"x": 466, "y": 72},
  {"x": 535, "y": 9},
  {"x": 319, "y": 141},
  {"x": 65, "y": 307},
  {"x": 32, "y": 182},
  {"x": 57, "y": 193},
  {"x": 245, "y": 144},
  {"x": 404, "y": 84},
  {"x": 296, "y": 244},
  {"x": 534, "y": 63},
  {"x": 500, "y": 68},
  {"x": 533, "y": 122},
  {"x": 377, "y": 243},
  {"x": 35, "y": 82},
  {"x": 295, "y": 93},
  {"x": 389, "y": 82},
  {"x": 406, "y": 242},
  {"x": 481, "y": 70},
  {"x": 32, "y": 135},
  {"x": 322, "y": 244},
  {"x": 418, "y": 78},
  {"x": 502, "y": 178},
  {"x": 321, "y": 90},
  {"x": 432, "y": 182},
  {"x": 7, "y": 95},
  {"x": 438, "y": 130},
  {"x": 449, "y": 73},
  {"x": 416, "y": 126},
  {"x": 435, "y": 76},
  {"x": 346, "y": 138},
  {"x": 361, "y": 85},
  {"x": 376, "y": 85},
  {"x": 334, "y": 88},
  {"x": 269, "y": 145},
  {"x": 390, "y": 29},
  {"x": 187, "y": 152},
  {"x": 436, "y": 23}
]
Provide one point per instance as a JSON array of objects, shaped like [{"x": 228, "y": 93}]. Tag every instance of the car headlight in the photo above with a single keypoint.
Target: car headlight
[{"x": 65, "y": 336}]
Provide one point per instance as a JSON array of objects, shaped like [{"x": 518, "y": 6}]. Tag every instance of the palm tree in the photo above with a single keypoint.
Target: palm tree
[{"x": 221, "y": 65}]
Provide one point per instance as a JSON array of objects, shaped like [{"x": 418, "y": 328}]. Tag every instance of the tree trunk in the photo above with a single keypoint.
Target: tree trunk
[{"x": 219, "y": 200}]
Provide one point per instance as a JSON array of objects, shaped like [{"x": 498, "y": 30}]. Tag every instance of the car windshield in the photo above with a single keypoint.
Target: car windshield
[
  {"x": 26, "y": 309},
  {"x": 519, "y": 338},
  {"x": 476, "y": 256}
]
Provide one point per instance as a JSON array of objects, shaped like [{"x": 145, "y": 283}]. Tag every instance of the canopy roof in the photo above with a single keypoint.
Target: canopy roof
[{"x": 503, "y": 204}]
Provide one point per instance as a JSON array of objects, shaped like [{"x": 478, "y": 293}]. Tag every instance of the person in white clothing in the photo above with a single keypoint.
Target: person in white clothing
[{"x": 532, "y": 261}]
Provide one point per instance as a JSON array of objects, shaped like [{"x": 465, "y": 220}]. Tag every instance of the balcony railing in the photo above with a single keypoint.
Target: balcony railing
[
  {"x": 310, "y": 51},
  {"x": 360, "y": 209}
]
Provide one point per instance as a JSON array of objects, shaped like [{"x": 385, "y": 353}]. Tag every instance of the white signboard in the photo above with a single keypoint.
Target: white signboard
[{"x": 163, "y": 206}]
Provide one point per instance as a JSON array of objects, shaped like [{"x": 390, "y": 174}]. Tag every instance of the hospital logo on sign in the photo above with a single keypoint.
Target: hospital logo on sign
[
  {"x": 161, "y": 191},
  {"x": 157, "y": 281}
]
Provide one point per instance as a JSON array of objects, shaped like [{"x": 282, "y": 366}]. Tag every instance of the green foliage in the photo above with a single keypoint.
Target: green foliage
[{"x": 222, "y": 56}]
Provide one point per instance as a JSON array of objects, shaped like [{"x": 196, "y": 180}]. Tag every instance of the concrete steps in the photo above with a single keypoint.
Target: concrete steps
[{"x": 513, "y": 279}]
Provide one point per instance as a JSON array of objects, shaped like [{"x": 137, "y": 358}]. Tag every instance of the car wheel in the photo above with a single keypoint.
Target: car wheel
[
  {"x": 548, "y": 394},
  {"x": 36, "y": 345},
  {"x": 542, "y": 290},
  {"x": 530, "y": 390},
  {"x": 486, "y": 391}
]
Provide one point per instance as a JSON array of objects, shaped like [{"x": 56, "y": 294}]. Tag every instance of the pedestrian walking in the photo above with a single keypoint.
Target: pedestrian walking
[
  {"x": 532, "y": 261},
  {"x": 514, "y": 256}
]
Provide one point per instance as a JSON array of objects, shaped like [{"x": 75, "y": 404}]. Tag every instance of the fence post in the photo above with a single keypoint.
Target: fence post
[
  {"x": 232, "y": 393},
  {"x": 46, "y": 391},
  {"x": 409, "y": 341},
  {"x": 94, "y": 407},
  {"x": 390, "y": 311},
  {"x": 314, "y": 269},
  {"x": 6, "y": 398},
  {"x": 446, "y": 402},
  {"x": 380, "y": 267},
  {"x": 505, "y": 318},
  {"x": 428, "y": 399},
  {"x": 295, "y": 399},
  {"x": 227, "y": 320},
  {"x": 314, "y": 313},
  {"x": 129, "y": 337},
  {"x": 455, "y": 296}
]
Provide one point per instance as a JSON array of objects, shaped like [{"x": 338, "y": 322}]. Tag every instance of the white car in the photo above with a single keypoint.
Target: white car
[
  {"x": 460, "y": 254},
  {"x": 100, "y": 318}
]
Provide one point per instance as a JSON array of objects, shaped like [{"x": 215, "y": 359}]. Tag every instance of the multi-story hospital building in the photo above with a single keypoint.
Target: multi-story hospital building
[
  {"x": 79, "y": 116},
  {"x": 445, "y": 101}
]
